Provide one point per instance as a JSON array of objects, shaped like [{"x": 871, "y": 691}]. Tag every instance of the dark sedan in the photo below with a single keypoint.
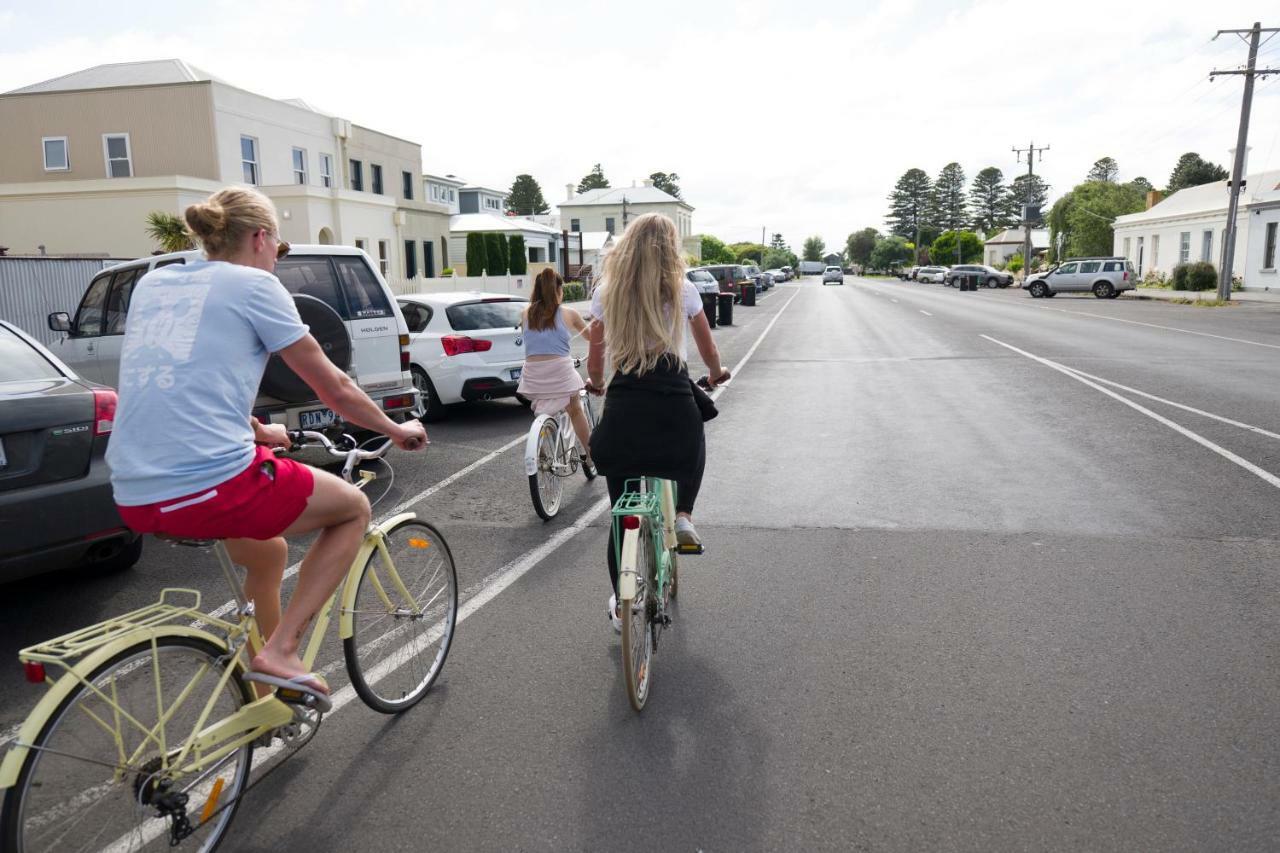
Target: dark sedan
[
  {"x": 55, "y": 497},
  {"x": 989, "y": 276}
]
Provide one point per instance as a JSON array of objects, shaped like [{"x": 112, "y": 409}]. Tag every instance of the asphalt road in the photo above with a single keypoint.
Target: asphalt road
[{"x": 958, "y": 595}]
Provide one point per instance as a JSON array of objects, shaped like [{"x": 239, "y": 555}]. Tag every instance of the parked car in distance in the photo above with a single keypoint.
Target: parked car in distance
[
  {"x": 835, "y": 275},
  {"x": 908, "y": 273},
  {"x": 989, "y": 276},
  {"x": 791, "y": 273},
  {"x": 56, "y": 507},
  {"x": 812, "y": 267},
  {"x": 348, "y": 306},
  {"x": 463, "y": 347},
  {"x": 730, "y": 277},
  {"x": 932, "y": 275},
  {"x": 703, "y": 280},
  {"x": 754, "y": 273},
  {"x": 779, "y": 275},
  {"x": 1106, "y": 277}
]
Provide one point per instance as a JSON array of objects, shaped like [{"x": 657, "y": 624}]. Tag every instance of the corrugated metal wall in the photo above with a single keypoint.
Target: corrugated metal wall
[{"x": 33, "y": 288}]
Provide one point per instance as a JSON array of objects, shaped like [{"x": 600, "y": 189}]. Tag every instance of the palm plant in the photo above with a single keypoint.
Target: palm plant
[{"x": 169, "y": 231}]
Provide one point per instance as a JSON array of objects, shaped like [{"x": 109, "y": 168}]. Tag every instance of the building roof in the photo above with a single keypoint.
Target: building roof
[
  {"x": 445, "y": 179},
  {"x": 1206, "y": 198},
  {"x": 148, "y": 73},
  {"x": 466, "y": 223},
  {"x": 593, "y": 241},
  {"x": 490, "y": 190},
  {"x": 634, "y": 195},
  {"x": 1039, "y": 237}
]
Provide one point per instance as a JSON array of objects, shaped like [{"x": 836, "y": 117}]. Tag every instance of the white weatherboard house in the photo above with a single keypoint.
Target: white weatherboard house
[
  {"x": 1191, "y": 225},
  {"x": 612, "y": 209},
  {"x": 85, "y": 157},
  {"x": 543, "y": 244},
  {"x": 1003, "y": 246},
  {"x": 1263, "y": 221}
]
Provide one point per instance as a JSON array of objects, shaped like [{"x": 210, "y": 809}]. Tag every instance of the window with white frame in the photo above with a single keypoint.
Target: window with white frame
[
  {"x": 492, "y": 203},
  {"x": 375, "y": 178},
  {"x": 1269, "y": 247},
  {"x": 326, "y": 170},
  {"x": 1184, "y": 247},
  {"x": 56, "y": 158},
  {"x": 299, "y": 166},
  {"x": 1206, "y": 245},
  {"x": 452, "y": 197},
  {"x": 1155, "y": 250},
  {"x": 119, "y": 161},
  {"x": 575, "y": 225},
  {"x": 249, "y": 159},
  {"x": 384, "y": 263},
  {"x": 407, "y": 180}
]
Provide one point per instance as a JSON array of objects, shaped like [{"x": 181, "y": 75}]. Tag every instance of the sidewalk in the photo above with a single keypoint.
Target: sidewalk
[{"x": 1271, "y": 296}]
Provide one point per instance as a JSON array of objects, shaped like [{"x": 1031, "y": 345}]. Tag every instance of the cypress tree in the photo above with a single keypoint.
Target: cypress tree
[
  {"x": 517, "y": 258},
  {"x": 495, "y": 247},
  {"x": 477, "y": 257}
]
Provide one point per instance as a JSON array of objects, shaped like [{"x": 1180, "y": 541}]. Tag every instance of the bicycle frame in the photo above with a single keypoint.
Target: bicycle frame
[
  {"x": 82, "y": 652},
  {"x": 565, "y": 464}
]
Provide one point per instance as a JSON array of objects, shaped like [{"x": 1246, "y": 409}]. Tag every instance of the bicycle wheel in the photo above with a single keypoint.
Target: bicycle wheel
[
  {"x": 398, "y": 646},
  {"x": 637, "y": 613},
  {"x": 544, "y": 486},
  {"x": 96, "y": 779}
]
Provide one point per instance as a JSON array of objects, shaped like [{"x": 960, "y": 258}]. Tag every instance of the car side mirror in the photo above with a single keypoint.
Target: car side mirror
[{"x": 60, "y": 321}]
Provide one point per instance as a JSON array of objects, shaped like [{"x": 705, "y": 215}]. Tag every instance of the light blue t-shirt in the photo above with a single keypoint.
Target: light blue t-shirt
[{"x": 198, "y": 339}]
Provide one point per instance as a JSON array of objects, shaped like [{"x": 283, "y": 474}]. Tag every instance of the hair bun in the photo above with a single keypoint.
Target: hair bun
[{"x": 206, "y": 218}]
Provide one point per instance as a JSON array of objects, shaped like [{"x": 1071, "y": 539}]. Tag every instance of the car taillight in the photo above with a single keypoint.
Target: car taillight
[
  {"x": 1126, "y": 276},
  {"x": 104, "y": 410},
  {"x": 401, "y": 401},
  {"x": 459, "y": 344}
]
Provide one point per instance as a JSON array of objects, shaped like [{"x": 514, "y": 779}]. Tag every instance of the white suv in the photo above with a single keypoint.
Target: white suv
[
  {"x": 1107, "y": 278},
  {"x": 350, "y": 309}
]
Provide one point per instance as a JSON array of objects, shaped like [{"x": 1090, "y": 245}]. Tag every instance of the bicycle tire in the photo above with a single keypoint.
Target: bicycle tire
[
  {"x": 545, "y": 488},
  {"x": 369, "y": 668},
  {"x": 637, "y": 636},
  {"x": 125, "y": 791}
]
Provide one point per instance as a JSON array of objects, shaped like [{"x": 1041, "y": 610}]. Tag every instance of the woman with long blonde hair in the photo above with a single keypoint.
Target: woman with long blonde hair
[
  {"x": 549, "y": 378},
  {"x": 652, "y": 423}
]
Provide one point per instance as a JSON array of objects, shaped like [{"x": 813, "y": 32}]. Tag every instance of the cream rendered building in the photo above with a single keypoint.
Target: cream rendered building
[
  {"x": 85, "y": 157},
  {"x": 613, "y": 209}
]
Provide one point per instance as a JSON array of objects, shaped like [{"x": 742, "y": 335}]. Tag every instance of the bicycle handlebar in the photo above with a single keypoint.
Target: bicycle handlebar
[{"x": 352, "y": 453}]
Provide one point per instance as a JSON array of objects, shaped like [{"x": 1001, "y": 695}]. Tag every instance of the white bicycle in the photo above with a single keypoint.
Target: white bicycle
[{"x": 551, "y": 453}]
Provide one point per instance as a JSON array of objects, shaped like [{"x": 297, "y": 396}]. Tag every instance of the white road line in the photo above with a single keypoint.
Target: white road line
[
  {"x": 1266, "y": 476},
  {"x": 715, "y": 395},
  {"x": 1192, "y": 409},
  {"x": 925, "y": 313},
  {"x": 1158, "y": 326}
]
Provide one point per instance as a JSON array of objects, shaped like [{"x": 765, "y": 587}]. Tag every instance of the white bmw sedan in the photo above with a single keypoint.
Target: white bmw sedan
[{"x": 463, "y": 347}]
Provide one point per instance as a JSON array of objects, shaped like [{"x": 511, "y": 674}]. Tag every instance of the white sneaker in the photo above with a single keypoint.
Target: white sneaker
[
  {"x": 686, "y": 533},
  {"x": 614, "y": 619}
]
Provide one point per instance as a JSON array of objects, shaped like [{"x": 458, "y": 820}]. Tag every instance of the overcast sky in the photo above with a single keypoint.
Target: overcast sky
[{"x": 795, "y": 116}]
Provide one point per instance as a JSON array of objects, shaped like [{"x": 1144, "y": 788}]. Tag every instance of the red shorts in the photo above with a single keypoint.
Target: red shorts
[{"x": 258, "y": 503}]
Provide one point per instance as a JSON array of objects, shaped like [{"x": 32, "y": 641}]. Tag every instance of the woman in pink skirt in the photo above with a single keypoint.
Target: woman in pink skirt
[{"x": 549, "y": 378}]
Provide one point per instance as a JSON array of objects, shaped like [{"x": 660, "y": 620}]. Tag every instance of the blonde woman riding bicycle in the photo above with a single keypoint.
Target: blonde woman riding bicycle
[{"x": 652, "y": 423}]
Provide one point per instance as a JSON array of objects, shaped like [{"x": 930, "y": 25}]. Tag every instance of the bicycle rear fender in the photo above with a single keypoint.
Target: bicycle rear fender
[
  {"x": 531, "y": 444},
  {"x": 346, "y": 625},
  {"x": 627, "y": 564},
  {"x": 70, "y": 680}
]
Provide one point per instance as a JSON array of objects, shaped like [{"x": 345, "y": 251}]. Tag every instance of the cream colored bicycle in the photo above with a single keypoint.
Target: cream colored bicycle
[{"x": 145, "y": 737}]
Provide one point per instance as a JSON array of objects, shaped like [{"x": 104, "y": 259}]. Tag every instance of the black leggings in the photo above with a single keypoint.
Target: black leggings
[{"x": 686, "y": 495}]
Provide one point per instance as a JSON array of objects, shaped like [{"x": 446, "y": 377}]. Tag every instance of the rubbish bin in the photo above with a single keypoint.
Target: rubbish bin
[
  {"x": 726, "y": 309},
  {"x": 974, "y": 278},
  {"x": 748, "y": 292},
  {"x": 709, "y": 307}
]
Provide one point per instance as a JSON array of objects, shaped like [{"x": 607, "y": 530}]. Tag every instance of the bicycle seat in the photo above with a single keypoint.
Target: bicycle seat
[{"x": 190, "y": 543}]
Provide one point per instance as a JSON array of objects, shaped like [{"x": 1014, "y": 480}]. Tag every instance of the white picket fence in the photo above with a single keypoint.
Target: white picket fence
[{"x": 513, "y": 285}]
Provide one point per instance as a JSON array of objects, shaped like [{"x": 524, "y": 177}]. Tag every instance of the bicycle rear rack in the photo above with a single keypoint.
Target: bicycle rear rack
[{"x": 63, "y": 651}]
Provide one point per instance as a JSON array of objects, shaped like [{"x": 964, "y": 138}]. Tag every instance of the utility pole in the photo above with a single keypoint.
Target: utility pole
[
  {"x": 1031, "y": 151},
  {"x": 1249, "y": 72},
  {"x": 761, "y": 247}
]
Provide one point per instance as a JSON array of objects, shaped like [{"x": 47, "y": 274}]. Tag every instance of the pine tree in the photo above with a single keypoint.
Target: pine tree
[
  {"x": 950, "y": 211},
  {"x": 525, "y": 198},
  {"x": 1193, "y": 170},
  {"x": 988, "y": 204},
  {"x": 778, "y": 243},
  {"x": 594, "y": 180},
  {"x": 477, "y": 256},
  {"x": 909, "y": 204},
  {"x": 1018, "y": 194},
  {"x": 1104, "y": 169},
  {"x": 666, "y": 181}
]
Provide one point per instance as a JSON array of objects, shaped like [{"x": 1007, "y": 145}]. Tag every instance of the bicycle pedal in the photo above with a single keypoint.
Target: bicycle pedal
[{"x": 689, "y": 550}]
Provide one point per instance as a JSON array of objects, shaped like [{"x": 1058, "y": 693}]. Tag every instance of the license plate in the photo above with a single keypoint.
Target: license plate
[
  {"x": 515, "y": 373},
  {"x": 314, "y": 418}
]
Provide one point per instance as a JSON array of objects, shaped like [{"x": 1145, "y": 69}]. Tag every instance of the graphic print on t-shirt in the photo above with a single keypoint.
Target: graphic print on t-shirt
[{"x": 167, "y": 318}]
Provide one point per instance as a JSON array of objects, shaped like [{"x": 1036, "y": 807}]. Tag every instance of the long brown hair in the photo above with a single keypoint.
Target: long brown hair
[
  {"x": 644, "y": 275},
  {"x": 545, "y": 301}
]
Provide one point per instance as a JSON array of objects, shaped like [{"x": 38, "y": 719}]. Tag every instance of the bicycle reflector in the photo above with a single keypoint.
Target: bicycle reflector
[
  {"x": 419, "y": 543},
  {"x": 631, "y": 522},
  {"x": 34, "y": 671}
]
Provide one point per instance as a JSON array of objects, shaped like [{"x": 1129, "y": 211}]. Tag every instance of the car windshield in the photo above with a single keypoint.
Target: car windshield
[
  {"x": 833, "y": 269},
  {"x": 19, "y": 361},
  {"x": 473, "y": 316},
  {"x": 701, "y": 275}
]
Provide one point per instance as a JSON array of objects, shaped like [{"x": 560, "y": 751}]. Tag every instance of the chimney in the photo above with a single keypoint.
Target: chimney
[
  {"x": 568, "y": 188},
  {"x": 648, "y": 182},
  {"x": 1154, "y": 197}
]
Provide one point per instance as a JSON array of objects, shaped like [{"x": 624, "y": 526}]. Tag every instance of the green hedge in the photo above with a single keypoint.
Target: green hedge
[
  {"x": 1201, "y": 276},
  {"x": 495, "y": 247},
  {"x": 517, "y": 257},
  {"x": 477, "y": 257},
  {"x": 574, "y": 291}
]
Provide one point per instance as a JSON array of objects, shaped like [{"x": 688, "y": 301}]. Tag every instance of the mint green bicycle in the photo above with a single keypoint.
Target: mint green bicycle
[{"x": 648, "y": 575}]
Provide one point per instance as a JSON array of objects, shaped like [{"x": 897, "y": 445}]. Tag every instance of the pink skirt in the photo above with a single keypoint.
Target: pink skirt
[{"x": 550, "y": 384}]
